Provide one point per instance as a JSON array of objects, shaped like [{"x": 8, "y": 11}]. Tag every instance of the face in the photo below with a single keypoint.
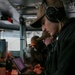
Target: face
[
  {"x": 43, "y": 27},
  {"x": 51, "y": 27},
  {"x": 69, "y": 6}
]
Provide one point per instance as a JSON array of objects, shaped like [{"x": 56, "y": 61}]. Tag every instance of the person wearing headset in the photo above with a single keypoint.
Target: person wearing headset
[
  {"x": 56, "y": 23},
  {"x": 37, "y": 24}
]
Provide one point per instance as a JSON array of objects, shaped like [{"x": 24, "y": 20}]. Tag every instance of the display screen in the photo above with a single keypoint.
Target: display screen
[
  {"x": 19, "y": 63},
  {"x": 3, "y": 48}
]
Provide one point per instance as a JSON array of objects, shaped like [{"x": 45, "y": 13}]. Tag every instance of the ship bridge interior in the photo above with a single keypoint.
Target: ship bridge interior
[
  {"x": 15, "y": 35},
  {"x": 26, "y": 9}
]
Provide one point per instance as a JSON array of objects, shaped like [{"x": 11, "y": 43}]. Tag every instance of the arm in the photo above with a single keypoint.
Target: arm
[{"x": 66, "y": 59}]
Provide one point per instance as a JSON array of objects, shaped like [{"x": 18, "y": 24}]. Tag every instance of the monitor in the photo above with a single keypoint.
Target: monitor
[
  {"x": 19, "y": 64},
  {"x": 3, "y": 48}
]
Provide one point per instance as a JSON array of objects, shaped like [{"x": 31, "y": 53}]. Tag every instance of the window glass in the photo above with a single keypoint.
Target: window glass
[{"x": 13, "y": 38}]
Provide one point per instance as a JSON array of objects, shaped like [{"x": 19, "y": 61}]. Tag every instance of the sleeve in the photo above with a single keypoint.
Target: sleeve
[{"x": 66, "y": 58}]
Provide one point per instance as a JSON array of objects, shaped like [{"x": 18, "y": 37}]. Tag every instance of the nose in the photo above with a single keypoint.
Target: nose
[{"x": 43, "y": 27}]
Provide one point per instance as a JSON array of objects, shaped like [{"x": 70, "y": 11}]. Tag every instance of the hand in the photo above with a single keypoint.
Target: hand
[
  {"x": 47, "y": 41},
  {"x": 38, "y": 69}
]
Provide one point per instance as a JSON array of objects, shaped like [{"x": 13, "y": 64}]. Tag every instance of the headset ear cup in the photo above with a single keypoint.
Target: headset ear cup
[{"x": 52, "y": 14}]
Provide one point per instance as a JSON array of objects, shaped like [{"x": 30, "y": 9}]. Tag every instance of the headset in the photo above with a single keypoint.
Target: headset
[{"x": 54, "y": 14}]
